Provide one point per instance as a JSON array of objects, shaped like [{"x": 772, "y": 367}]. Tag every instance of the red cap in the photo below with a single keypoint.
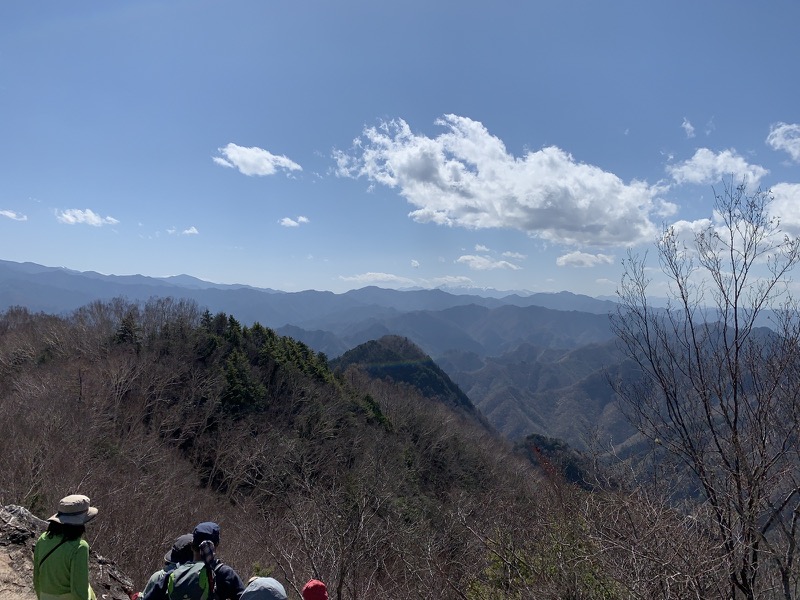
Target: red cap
[{"x": 315, "y": 590}]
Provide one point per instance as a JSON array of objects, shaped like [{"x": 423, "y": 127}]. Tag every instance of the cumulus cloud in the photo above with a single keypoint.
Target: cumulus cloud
[
  {"x": 289, "y": 222},
  {"x": 686, "y": 232},
  {"x": 254, "y": 161},
  {"x": 377, "y": 278},
  {"x": 664, "y": 208},
  {"x": 14, "y": 216},
  {"x": 485, "y": 263},
  {"x": 514, "y": 255},
  {"x": 414, "y": 264},
  {"x": 786, "y": 206},
  {"x": 481, "y": 248},
  {"x": 786, "y": 137},
  {"x": 465, "y": 177},
  {"x": 707, "y": 167},
  {"x": 688, "y": 128},
  {"x": 583, "y": 259},
  {"x": 75, "y": 216},
  {"x": 689, "y": 229}
]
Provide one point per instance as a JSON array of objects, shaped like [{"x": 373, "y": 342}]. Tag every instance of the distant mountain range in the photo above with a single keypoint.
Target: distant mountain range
[
  {"x": 530, "y": 363},
  {"x": 57, "y": 290}
]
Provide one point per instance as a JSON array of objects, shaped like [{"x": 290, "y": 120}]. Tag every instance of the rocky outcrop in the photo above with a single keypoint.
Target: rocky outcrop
[{"x": 19, "y": 530}]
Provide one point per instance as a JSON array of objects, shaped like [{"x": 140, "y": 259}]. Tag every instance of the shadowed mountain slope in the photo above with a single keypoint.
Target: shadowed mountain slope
[
  {"x": 557, "y": 393},
  {"x": 400, "y": 361}
]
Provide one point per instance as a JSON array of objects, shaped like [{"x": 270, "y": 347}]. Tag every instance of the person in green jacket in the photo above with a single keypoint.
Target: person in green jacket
[{"x": 61, "y": 555}]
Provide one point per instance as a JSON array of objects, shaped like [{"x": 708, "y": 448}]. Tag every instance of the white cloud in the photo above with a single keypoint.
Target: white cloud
[
  {"x": 664, "y": 208},
  {"x": 786, "y": 206},
  {"x": 289, "y": 222},
  {"x": 784, "y": 136},
  {"x": 254, "y": 161},
  {"x": 583, "y": 259},
  {"x": 188, "y": 231},
  {"x": 74, "y": 216},
  {"x": 688, "y": 229},
  {"x": 710, "y": 127},
  {"x": 481, "y": 248},
  {"x": 514, "y": 255},
  {"x": 451, "y": 281},
  {"x": 376, "y": 278},
  {"x": 484, "y": 263},
  {"x": 414, "y": 264},
  {"x": 15, "y": 216},
  {"x": 706, "y": 167},
  {"x": 686, "y": 232},
  {"x": 688, "y": 128},
  {"x": 465, "y": 177}
]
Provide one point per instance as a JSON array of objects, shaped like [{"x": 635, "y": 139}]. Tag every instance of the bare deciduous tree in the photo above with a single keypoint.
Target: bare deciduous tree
[{"x": 719, "y": 392}]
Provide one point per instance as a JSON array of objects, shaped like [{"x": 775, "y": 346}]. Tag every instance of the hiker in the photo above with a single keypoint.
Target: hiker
[
  {"x": 204, "y": 577},
  {"x": 264, "y": 588},
  {"x": 315, "y": 590},
  {"x": 180, "y": 553},
  {"x": 227, "y": 583},
  {"x": 61, "y": 554}
]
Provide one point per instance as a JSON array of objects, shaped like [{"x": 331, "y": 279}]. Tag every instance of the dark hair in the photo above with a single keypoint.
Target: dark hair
[{"x": 70, "y": 532}]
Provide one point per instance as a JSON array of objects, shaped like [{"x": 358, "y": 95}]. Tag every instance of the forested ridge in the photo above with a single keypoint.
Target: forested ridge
[
  {"x": 167, "y": 416},
  {"x": 396, "y": 358}
]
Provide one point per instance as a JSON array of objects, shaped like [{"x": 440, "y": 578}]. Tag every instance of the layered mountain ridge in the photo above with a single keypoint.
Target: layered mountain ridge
[{"x": 530, "y": 364}]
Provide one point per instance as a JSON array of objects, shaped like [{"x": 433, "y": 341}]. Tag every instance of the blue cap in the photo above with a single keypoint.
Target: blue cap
[{"x": 206, "y": 531}]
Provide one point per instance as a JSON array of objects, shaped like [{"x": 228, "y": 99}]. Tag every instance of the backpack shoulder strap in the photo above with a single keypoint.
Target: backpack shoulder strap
[{"x": 53, "y": 549}]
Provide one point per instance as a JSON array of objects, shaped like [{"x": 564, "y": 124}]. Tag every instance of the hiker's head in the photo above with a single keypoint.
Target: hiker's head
[
  {"x": 315, "y": 590},
  {"x": 181, "y": 550},
  {"x": 70, "y": 532},
  {"x": 205, "y": 531},
  {"x": 74, "y": 509},
  {"x": 264, "y": 588}
]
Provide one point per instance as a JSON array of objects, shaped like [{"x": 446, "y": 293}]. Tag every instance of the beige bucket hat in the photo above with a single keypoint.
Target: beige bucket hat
[{"x": 74, "y": 509}]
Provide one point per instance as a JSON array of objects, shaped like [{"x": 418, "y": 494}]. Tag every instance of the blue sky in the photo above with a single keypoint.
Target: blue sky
[{"x": 333, "y": 145}]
